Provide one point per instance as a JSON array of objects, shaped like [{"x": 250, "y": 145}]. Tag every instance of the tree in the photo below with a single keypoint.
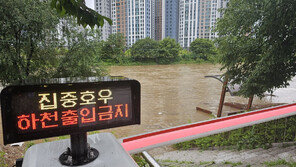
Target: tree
[
  {"x": 185, "y": 54},
  {"x": 258, "y": 44},
  {"x": 26, "y": 25},
  {"x": 168, "y": 51},
  {"x": 30, "y": 44},
  {"x": 82, "y": 55},
  {"x": 203, "y": 49},
  {"x": 145, "y": 50},
  {"x": 113, "y": 48},
  {"x": 77, "y": 8}
]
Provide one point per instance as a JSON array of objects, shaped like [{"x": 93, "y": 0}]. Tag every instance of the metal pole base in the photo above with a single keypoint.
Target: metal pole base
[
  {"x": 66, "y": 157},
  {"x": 80, "y": 153}
]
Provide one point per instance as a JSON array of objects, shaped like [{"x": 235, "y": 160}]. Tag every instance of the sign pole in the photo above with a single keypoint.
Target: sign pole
[
  {"x": 80, "y": 153},
  {"x": 68, "y": 106},
  {"x": 79, "y": 147}
]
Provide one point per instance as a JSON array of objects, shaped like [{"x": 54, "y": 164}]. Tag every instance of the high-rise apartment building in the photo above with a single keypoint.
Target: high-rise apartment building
[
  {"x": 119, "y": 16},
  {"x": 138, "y": 20},
  {"x": 170, "y": 19},
  {"x": 158, "y": 20},
  {"x": 153, "y": 18},
  {"x": 205, "y": 15},
  {"x": 103, "y": 7},
  {"x": 188, "y": 22},
  {"x": 182, "y": 20},
  {"x": 209, "y": 14},
  {"x": 133, "y": 18},
  {"x": 197, "y": 19}
]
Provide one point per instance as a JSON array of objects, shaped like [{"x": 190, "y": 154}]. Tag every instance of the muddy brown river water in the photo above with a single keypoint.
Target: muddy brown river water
[{"x": 171, "y": 93}]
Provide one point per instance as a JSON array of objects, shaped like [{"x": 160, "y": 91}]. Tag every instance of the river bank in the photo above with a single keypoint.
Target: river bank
[
  {"x": 169, "y": 97},
  {"x": 180, "y": 62}
]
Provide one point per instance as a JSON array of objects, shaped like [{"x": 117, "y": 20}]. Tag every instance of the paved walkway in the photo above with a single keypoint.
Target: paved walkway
[{"x": 280, "y": 155}]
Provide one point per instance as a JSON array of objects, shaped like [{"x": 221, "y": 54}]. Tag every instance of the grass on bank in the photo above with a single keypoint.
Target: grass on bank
[
  {"x": 280, "y": 162},
  {"x": 232, "y": 163},
  {"x": 2, "y": 159},
  {"x": 256, "y": 136},
  {"x": 140, "y": 160}
]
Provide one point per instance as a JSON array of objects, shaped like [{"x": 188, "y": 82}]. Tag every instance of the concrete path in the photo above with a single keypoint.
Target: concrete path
[{"x": 276, "y": 156}]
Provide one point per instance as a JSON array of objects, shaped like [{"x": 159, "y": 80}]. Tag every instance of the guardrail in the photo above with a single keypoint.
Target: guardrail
[{"x": 143, "y": 142}]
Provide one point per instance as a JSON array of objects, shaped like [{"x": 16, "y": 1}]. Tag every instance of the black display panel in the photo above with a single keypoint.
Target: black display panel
[{"x": 66, "y": 106}]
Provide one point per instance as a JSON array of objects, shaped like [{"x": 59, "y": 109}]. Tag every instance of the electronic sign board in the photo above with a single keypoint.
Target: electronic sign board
[{"x": 34, "y": 111}]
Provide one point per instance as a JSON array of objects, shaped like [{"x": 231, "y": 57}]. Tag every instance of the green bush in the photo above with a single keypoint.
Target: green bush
[
  {"x": 168, "y": 51},
  {"x": 203, "y": 49},
  {"x": 185, "y": 55},
  {"x": 145, "y": 50},
  {"x": 148, "y": 51}
]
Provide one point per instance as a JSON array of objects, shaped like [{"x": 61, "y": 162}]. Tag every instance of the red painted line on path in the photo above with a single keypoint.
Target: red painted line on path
[{"x": 162, "y": 136}]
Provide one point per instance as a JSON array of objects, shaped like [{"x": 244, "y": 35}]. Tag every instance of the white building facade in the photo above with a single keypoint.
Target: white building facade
[
  {"x": 188, "y": 22},
  {"x": 197, "y": 19},
  {"x": 138, "y": 20},
  {"x": 103, "y": 7},
  {"x": 182, "y": 20}
]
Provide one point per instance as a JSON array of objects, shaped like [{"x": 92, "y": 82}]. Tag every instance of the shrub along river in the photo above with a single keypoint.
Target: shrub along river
[{"x": 171, "y": 93}]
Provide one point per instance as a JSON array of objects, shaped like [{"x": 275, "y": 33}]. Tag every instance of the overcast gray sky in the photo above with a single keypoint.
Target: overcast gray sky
[{"x": 90, "y": 3}]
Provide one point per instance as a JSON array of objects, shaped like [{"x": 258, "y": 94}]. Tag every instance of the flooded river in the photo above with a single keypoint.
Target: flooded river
[{"x": 171, "y": 93}]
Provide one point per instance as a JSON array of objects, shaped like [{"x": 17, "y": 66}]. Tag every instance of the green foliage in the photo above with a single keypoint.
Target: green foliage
[
  {"x": 280, "y": 162},
  {"x": 63, "y": 137},
  {"x": 168, "y": 51},
  {"x": 73, "y": 64},
  {"x": 145, "y": 50},
  {"x": 82, "y": 58},
  {"x": 32, "y": 47},
  {"x": 232, "y": 163},
  {"x": 77, "y": 8},
  {"x": 206, "y": 162},
  {"x": 26, "y": 25},
  {"x": 140, "y": 160},
  {"x": 256, "y": 136},
  {"x": 2, "y": 159},
  {"x": 257, "y": 43},
  {"x": 112, "y": 50},
  {"x": 171, "y": 163},
  {"x": 128, "y": 53},
  {"x": 203, "y": 49},
  {"x": 93, "y": 132},
  {"x": 29, "y": 144},
  {"x": 185, "y": 55}
]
